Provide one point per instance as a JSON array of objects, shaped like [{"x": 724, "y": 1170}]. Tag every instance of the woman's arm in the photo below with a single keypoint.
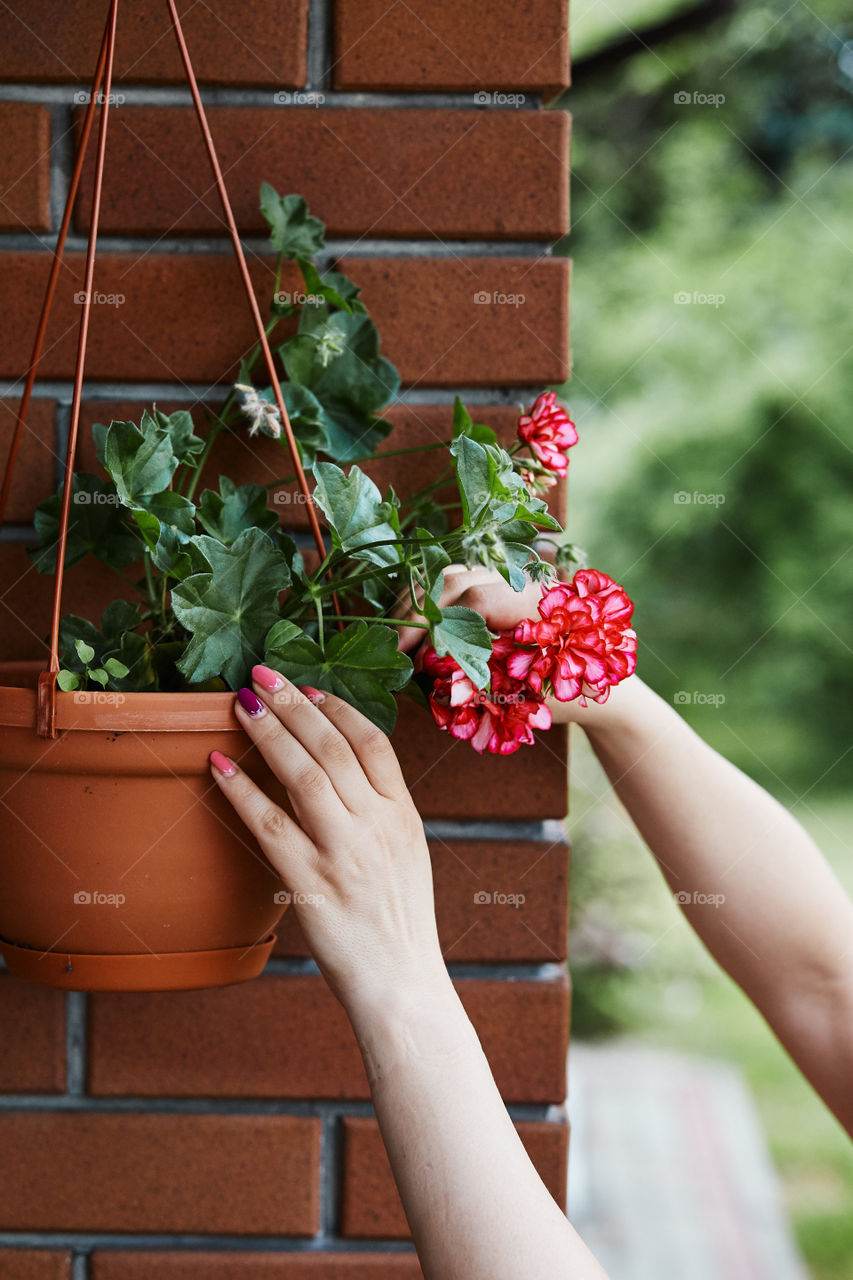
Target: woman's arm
[
  {"x": 746, "y": 874},
  {"x": 750, "y": 880},
  {"x": 357, "y": 862}
]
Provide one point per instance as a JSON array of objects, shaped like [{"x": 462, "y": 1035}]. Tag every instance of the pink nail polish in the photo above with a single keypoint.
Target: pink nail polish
[
  {"x": 313, "y": 695},
  {"x": 250, "y": 702},
  {"x": 222, "y": 764},
  {"x": 267, "y": 678}
]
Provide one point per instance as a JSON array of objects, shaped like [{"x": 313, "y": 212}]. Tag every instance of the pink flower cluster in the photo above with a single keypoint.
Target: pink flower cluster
[
  {"x": 580, "y": 645},
  {"x": 549, "y": 432}
]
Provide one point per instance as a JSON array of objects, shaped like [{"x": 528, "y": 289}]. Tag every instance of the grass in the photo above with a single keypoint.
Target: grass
[{"x": 638, "y": 967}]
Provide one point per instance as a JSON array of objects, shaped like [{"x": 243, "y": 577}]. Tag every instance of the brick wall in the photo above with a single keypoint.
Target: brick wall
[{"x": 228, "y": 1133}]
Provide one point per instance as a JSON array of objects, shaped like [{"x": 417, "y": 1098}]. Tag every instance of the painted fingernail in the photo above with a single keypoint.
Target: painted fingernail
[
  {"x": 222, "y": 764},
  {"x": 250, "y": 702},
  {"x": 267, "y": 678},
  {"x": 313, "y": 695}
]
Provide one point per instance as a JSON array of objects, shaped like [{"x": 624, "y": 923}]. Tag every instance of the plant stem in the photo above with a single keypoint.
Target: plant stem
[
  {"x": 374, "y": 457},
  {"x": 391, "y": 622},
  {"x": 149, "y": 578},
  {"x": 218, "y": 425}
]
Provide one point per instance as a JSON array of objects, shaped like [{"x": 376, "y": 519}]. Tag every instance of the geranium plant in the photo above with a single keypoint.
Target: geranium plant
[{"x": 222, "y": 586}]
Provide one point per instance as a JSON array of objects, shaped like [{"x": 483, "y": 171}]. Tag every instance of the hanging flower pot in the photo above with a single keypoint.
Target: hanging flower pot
[{"x": 123, "y": 868}]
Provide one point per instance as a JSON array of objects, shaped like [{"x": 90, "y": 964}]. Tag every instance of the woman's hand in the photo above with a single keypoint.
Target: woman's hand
[
  {"x": 490, "y": 595},
  {"x": 356, "y": 858}
]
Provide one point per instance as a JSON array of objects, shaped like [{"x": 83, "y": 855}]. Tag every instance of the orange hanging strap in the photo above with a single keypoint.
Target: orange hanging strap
[
  {"x": 46, "y": 713},
  {"x": 250, "y": 293}
]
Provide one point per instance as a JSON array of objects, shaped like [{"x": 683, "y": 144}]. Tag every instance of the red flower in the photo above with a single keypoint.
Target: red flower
[
  {"x": 499, "y": 720},
  {"x": 549, "y": 431},
  {"x": 582, "y": 644}
]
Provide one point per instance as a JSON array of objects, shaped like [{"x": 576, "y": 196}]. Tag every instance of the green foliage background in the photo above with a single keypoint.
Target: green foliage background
[{"x": 747, "y": 595}]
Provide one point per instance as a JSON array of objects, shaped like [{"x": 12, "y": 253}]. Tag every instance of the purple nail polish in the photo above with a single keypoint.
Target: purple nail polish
[{"x": 250, "y": 702}]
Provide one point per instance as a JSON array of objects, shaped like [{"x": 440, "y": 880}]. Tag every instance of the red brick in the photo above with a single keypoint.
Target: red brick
[
  {"x": 24, "y": 167},
  {"x": 169, "y": 326},
  {"x": 405, "y": 172},
  {"x": 239, "y": 1175},
  {"x": 469, "y": 931},
  {"x": 34, "y": 1264},
  {"x": 231, "y": 42},
  {"x": 254, "y": 1266},
  {"x": 448, "y": 779},
  {"x": 26, "y": 598},
  {"x": 287, "y": 1036},
  {"x": 438, "y": 335},
  {"x": 371, "y": 1207},
  {"x": 33, "y": 1021},
  {"x": 34, "y": 477},
  {"x": 428, "y": 44}
]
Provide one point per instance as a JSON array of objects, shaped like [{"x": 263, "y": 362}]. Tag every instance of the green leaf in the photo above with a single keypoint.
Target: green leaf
[
  {"x": 463, "y": 634},
  {"x": 293, "y": 231},
  {"x": 96, "y": 524},
  {"x": 226, "y": 514},
  {"x": 356, "y": 513},
  {"x": 178, "y": 426},
  {"x": 463, "y": 424},
  {"x": 67, "y": 681},
  {"x": 320, "y": 288},
  {"x": 116, "y": 668},
  {"x": 361, "y": 664},
  {"x": 167, "y": 522},
  {"x": 140, "y": 460},
  {"x": 229, "y": 610},
  {"x": 85, "y": 652},
  {"x": 475, "y": 475},
  {"x": 337, "y": 358},
  {"x": 100, "y": 676}
]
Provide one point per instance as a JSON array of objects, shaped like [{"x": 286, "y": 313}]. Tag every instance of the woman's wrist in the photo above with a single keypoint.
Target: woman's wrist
[{"x": 622, "y": 711}]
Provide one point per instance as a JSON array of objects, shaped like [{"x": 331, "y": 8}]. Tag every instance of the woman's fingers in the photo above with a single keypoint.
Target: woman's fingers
[
  {"x": 284, "y": 843},
  {"x": 318, "y": 805},
  {"x": 375, "y": 754},
  {"x": 301, "y": 717},
  {"x": 457, "y": 579}
]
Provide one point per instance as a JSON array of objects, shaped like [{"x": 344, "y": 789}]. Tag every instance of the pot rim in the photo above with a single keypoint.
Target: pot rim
[{"x": 139, "y": 712}]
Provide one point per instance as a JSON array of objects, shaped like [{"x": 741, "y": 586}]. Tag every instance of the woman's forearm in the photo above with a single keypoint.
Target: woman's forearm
[
  {"x": 477, "y": 1208},
  {"x": 747, "y": 875}
]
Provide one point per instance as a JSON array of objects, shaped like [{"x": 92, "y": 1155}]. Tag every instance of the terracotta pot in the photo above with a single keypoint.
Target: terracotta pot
[{"x": 122, "y": 866}]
